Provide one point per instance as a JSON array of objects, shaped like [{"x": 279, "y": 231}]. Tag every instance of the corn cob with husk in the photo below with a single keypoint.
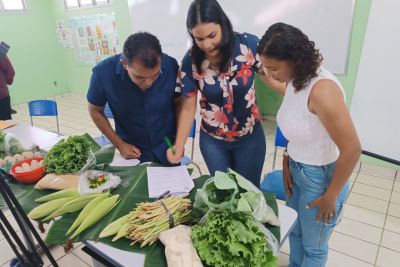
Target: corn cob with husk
[
  {"x": 123, "y": 230},
  {"x": 59, "y": 194},
  {"x": 48, "y": 207},
  {"x": 86, "y": 210},
  {"x": 114, "y": 227},
  {"x": 75, "y": 205},
  {"x": 149, "y": 219},
  {"x": 96, "y": 214}
]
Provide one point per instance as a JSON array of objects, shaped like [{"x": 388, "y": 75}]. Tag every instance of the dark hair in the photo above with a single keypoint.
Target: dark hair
[
  {"x": 285, "y": 42},
  {"x": 143, "y": 48},
  {"x": 209, "y": 11}
]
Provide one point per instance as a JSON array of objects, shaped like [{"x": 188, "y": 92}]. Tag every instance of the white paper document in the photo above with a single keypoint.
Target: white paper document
[
  {"x": 120, "y": 161},
  {"x": 173, "y": 179}
]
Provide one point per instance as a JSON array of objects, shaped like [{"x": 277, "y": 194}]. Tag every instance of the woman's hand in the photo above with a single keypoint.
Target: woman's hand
[
  {"x": 287, "y": 177},
  {"x": 175, "y": 158},
  {"x": 326, "y": 206}
]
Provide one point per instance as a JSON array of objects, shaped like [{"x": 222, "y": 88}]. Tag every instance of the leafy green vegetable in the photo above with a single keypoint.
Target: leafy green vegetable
[
  {"x": 232, "y": 239},
  {"x": 9, "y": 145},
  {"x": 67, "y": 156},
  {"x": 231, "y": 191},
  {"x": 15, "y": 146}
]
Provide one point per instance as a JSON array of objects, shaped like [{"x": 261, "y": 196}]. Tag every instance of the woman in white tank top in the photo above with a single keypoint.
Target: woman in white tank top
[{"x": 323, "y": 146}]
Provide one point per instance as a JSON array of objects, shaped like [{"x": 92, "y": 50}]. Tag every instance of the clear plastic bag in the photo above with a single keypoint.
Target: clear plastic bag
[
  {"x": 93, "y": 181},
  {"x": 90, "y": 163},
  {"x": 11, "y": 145},
  {"x": 273, "y": 242},
  {"x": 230, "y": 185}
]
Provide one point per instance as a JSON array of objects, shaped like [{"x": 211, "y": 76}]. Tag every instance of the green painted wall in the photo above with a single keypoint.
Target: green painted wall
[
  {"x": 33, "y": 52},
  {"x": 38, "y": 59},
  {"x": 269, "y": 101},
  {"x": 77, "y": 75}
]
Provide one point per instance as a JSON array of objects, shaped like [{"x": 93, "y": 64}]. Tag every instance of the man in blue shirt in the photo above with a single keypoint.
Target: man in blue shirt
[{"x": 140, "y": 88}]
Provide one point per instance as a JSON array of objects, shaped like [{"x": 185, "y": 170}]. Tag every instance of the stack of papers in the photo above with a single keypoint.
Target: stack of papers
[{"x": 176, "y": 180}]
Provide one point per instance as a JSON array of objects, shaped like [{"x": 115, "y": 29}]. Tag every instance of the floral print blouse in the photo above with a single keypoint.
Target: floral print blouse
[{"x": 228, "y": 100}]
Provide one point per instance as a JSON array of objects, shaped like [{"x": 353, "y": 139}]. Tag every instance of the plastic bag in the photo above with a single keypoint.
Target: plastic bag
[
  {"x": 273, "y": 243},
  {"x": 93, "y": 181},
  {"x": 179, "y": 249},
  {"x": 90, "y": 163},
  {"x": 231, "y": 191},
  {"x": 10, "y": 145},
  {"x": 58, "y": 182}
]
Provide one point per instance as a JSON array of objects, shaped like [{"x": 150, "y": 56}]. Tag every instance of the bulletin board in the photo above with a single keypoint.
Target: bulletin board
[{"x": 92, "y": 37}]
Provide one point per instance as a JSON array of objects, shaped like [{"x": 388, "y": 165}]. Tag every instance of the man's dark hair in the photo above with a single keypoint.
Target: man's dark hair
[
  {"x": 143, "y": 48},
  {"x": 209, "y": 11}
]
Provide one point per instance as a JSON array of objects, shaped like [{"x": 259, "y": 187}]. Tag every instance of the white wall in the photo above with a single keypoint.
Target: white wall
[
  {"x": 375, "y": 107},
  {"x": 327, "y": 22}
]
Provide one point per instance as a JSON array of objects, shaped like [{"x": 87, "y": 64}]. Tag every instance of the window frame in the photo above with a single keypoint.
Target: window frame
[
  {"x": 80, "y": 6},
  {"x": 4, "y": 11}
]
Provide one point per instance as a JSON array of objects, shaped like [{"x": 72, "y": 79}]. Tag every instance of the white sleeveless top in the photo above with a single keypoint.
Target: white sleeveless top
[{"x": 309, "y": 142}]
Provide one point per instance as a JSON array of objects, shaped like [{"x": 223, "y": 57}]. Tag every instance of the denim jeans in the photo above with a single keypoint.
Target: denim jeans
[
  {"x": 245, "y": 156},
  {"x": 309, "y": 239}
]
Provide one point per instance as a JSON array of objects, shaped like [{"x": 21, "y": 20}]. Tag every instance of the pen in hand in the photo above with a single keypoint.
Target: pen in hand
[{"x": 169, "y": 144}]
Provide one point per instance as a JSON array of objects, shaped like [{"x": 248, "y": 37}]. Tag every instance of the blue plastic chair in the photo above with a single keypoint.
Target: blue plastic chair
[
  {"x": 186, "y": 160},
  {"x": 43, "y": 108},
  {"x": 273, "y": 181},
  {"x": 102, "y": 140}
]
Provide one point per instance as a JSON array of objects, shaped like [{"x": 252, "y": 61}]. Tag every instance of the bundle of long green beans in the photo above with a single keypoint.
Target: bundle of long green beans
[{"x": 145, "y": 223}]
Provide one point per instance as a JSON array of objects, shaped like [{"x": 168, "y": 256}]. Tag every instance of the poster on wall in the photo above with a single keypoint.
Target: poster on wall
[
  {"x": 93, "y": 37},
  {"x": 63, "y": 33}
]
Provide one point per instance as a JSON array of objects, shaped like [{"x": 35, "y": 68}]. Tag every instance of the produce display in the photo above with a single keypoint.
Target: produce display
[
  {"x": 93, "y": 206},
  {"x": 67, "y": 156},
  {"x": 232, "y": 239},
  {"x": 226, "y": 226},
  {"x": 145, "y": 223},
  {"x": 102, "y": 208}
]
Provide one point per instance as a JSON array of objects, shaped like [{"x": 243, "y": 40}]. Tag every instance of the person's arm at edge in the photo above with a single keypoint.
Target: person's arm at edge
[
  {"x": 327, "y": 102},
  {"x": 185, "y": 112}
]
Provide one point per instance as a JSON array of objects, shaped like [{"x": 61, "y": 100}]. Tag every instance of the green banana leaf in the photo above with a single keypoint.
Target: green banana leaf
[{"x": 133, "y": 189}]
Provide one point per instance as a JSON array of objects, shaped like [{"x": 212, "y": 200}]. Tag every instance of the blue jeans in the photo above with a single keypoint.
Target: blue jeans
[
  {"x": 309, "y": 239},
  {"x": 245, "y": 156}
]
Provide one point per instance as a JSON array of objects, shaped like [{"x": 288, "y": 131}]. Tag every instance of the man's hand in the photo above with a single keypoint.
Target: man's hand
[
  {"x": 129, "y": 151},
  {"x": 175, "y": 159}
]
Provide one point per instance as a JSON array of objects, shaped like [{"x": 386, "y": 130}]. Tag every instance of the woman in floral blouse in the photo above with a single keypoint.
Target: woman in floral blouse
[{"x": 221, "y": 64}]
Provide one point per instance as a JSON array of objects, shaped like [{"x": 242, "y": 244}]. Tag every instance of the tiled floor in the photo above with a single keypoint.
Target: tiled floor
[{"x": 369, "y": 234}]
